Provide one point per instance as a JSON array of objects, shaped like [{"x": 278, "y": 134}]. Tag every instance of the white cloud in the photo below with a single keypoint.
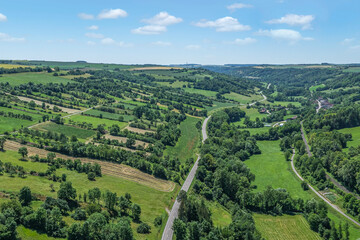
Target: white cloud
[
  {"x": 235, "y": 6},
  {"x": 112, "y": 14},
  {"x": 294, "y": 20},
  {"x": 225, "y": 24},
  {"x": 86, "y": 16},
  {"x": 157, "y": 24},
  {"x": 348, "y": 41},
  {"x": 7, "y": 38},
  {"x": 93, "y": 27},
  {"x": 90, "y": 43},
  {"x": 244, "y": 41},
  {"x": 163, "y": 19},
  {"x": 161, "y": 43},
  {"x": 192, "y": 47},
  {"x": 94, "y": 35},
  {"x": 107, "y": 41},
  {"x": 149, "y": 30},
  {"x": 284, "y": 34},
  {"x": 3, "y": 18}
]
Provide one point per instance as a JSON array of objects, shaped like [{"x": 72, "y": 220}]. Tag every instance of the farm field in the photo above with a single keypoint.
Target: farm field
[
  {"x": 21, "y": 78},
  {"x": 274, "y": 170},
  {"x": 153, "y": 205},
  {"x": 352, "y": 70},
  {"x": 243, "y": 99},
  {"x": 11, "y": 66},
  {"x": 107, "y": 115},
  {"x": 69, "y": 131},
  {"x": 97, "y": 121},
  {"x": 284, "y": 227},
  {"x": 188, "y": 142}
]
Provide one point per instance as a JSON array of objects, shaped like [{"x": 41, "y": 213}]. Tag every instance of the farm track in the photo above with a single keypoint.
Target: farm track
[{"x": 107, "y": 168}]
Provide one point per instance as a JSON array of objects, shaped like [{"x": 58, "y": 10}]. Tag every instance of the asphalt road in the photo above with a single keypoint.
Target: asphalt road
[
  {"x": 168, "y": 231},
  {"x": 313, "y": 189}
]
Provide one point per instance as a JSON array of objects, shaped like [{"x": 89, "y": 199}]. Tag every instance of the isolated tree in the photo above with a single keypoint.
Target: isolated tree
[
  {"x": 66, "y": 191},
  {"x": 136, "y": 212},
  {"x": 91, "y": 176},
  {"x": 23, "y": 151},
  {"x": 25, "y": 196},
  {"x": 2, "y": 143}
]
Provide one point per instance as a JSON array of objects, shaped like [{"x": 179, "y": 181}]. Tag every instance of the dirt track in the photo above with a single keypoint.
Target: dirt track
[
  {"x": 123, "y": 139},
  {"x": 138, "y": 130},
  {"x": 107, "y": 168}
]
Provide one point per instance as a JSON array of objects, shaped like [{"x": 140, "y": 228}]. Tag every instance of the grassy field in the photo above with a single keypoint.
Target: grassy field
[
  {"x": 352, "y": 69},
  {"x": 186, "y": 146},
  {"x": 97, "y": 121},
  {"x": 69, "y": 131},
  {"x": 113, "y": 116},
  {"x": 8, "y": 124},
  {"x": 270, "y": 168},
  {"x": 152, "y": 205},
  {"x": 206, "y": 93},
  {"x": 220, "y": 216},
  {"x": 313, "y": 88},
  {"x": 22, "y": 78},
  {"x": 284, "y": 227},
  {"x": 217, "y": 105},
  {"x": 243, "y": 99},
  {"x": 28, "y": 234},
  {"x": 11, "y": 66},
  {"x": 355, "y": 132}
]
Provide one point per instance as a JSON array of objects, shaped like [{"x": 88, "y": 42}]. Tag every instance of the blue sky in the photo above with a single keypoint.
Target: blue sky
[{"x": 175, "y": 32}]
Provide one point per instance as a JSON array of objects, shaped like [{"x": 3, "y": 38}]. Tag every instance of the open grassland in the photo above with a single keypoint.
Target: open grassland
[
  {"x": 206, "y": 93},
  {"x": 257, "y": 130},
  {"x": 313, "y": 88},
  {"x": 152, "y": 205},
  {"x": 271, "y": 169},
  {"x": 22, "y": 78},
  {"x": 108, "y": 168},
  {"x": 176, "y": 84},
  {"x": 352, "y": 69},
  {"x": 253, "y": 113},
  {"x": 189, "y": 140},
  {"x": 219, "y": 215},
  {"x": 80, "y": 65},
  {"x": 113, "y": 116},
  {"x": 97, "y": 121},
  {"x": 28, "y": 234},
  {"x": 154, "y": 68},
  {"x": 9, "y": 124},
  {"x": 217, "y": 105},
  {"x": 11, "y": 66},
  {"x": 355, "y": 132},
  {"x": 284, "y": 227},
  {"x": 69, "y": 131},
  {"x": 242, "y": 98}
]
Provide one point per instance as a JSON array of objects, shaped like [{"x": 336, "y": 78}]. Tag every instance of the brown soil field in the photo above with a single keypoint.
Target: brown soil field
[
  {"x": 138, "y": 130},
  {"x": 107, "y": 168}
]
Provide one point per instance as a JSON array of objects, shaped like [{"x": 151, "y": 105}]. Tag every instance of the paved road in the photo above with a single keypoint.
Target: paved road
[
  {"x": 319, "y": 195},
  {"x": 168, "y": 231},
  {"x": 265, "y": 98},
  {"x": 319, "y": 106},
  {"x": 268, "y": 86}
]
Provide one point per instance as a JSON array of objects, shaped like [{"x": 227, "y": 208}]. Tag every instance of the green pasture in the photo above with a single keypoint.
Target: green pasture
[
  {"x": 97, "y": 121},
  {"x": 69, "y": 131},
  {"x": 107, "y": 115},
  {"x": 22, "y": 78}
]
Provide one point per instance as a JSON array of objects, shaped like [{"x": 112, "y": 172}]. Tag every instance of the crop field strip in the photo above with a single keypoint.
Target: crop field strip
[{"x": 109, "y": 168}]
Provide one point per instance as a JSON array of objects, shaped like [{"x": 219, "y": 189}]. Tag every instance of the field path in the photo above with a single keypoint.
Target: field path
[
  {"x": 265, "y": 98},
  {"x": 313, "y": 189},
  {"x": 107, "y": 168},
  {"x": 168, "y": 231}
]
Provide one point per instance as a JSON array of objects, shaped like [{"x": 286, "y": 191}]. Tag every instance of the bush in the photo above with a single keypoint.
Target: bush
[
  {"x": 158, "y": 221},
  {"x": 143, "y": 228},
  {"x": 91, "y": 176},
  {"x": 79, "y": 214}
]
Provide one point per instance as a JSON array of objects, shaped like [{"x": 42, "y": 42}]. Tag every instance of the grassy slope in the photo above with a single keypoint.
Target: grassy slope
[
  {"x": 243, "y": 99},
  {"x": 187, "y": 143},
  {"x": 113, "y": 116},
  {"x": 219, "y": 215},
  {"x": 97, "y": 121},
  {"x": 152, "y": 205},
  {"x": 274, "y": 170},
  {"x": 355, "y": 136},
  {"x": 67, "y": 130},
  {"x": 284, "y": 227},
  {"x": 21, "y": 78}
]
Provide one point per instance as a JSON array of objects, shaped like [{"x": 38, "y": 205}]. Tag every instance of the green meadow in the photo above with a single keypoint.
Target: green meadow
[{"x": 22, "y": 78}]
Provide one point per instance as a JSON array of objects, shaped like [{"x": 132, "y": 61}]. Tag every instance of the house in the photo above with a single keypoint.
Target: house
[
  {"x": 291, "y": 119},
  {"x": 263, "y": 110}
]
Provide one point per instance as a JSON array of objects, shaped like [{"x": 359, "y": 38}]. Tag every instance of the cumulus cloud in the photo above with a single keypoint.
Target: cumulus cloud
[
  {"x": 7, "y": 38},
  {"x": 192, "y": 47},
  {"x": 93, "y": 27},
  {"x": 3, "y": 18},
  {"x": 157, "y": 24},
  {"x": 86, "y": 16},
  {"x": 112, "y": 14},
  {"x": 161, "y": 43},
  {"x": 284, "y": 34},
  {"x": 236, "y": 6},
  {"x": 94, "y": 35},
  {"x": 225, "y": 24},
  {"x": 110, "y": 41},
  {"x": 294, "y": 20},
  {"x": 107, "y": 41},
  {"x": 244, "y": 41}
]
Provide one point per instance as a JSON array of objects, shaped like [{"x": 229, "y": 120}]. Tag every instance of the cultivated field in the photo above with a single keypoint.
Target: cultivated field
[
  {"x": 108, "y": 168},
  {"x": 284, "y": 227}
]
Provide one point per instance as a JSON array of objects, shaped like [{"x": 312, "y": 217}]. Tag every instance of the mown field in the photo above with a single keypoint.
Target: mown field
[
  {"x": 22, "y": 78},
  {"x": 275, "y": 171},
  {"x": 152, "y": 205},
  {"x": 284, "y": 227},
  {"x": 355, "y": 132}
]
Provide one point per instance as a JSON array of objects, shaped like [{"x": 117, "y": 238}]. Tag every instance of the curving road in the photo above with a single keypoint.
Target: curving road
[
  {"x": 313, "y": 189},
  {"x": 168, "y": 231}
]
